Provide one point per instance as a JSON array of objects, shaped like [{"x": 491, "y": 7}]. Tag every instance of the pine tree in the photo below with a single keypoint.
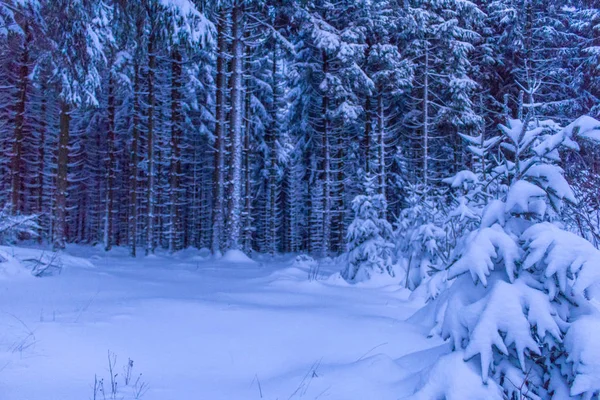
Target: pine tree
[
  {"x": 77, "y": 31},
  {"x": 369, "y": 237},
  {"x": 517, "y": 297}
]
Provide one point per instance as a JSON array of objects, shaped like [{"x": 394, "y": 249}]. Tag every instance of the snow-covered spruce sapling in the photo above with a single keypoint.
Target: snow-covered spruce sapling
[
  {"x": 420, "y": 237},
  {"x": 369, "y": 237},
  {"x": 430, "y": 244},
  {"x": 518, "y": 313},
  {"x": 472, "y": 189}
]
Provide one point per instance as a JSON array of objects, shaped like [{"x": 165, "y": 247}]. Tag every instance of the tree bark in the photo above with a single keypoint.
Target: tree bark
[
  {"x": 110, "y": 167},
  {"x": 326, "y": 164},
  {"x": 380, "y": 143},
  {"x": 236, "y": 124},
  {"x": 42, "y": 161},
  {"x": 426, "y": 117},
  {"x": 150, "y": 244},
  {"x": 17, "y": 163},
  {"x": 133, "y": 163},
  {"x": 272, "y": 137},
  {"x": 218, "y": 217},
  {"x": 247, "y": 154},
  {"x": 175, "y": 236},
  {"x": 62, "y": 168}
]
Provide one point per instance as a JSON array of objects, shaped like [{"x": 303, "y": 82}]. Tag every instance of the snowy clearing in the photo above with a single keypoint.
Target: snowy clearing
[{"x": 203, "y": 329}]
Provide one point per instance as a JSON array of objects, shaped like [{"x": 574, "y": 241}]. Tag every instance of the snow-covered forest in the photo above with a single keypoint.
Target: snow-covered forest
[
  {"x": 437, "y": 159},
  {"x": 253, "y": 124}
]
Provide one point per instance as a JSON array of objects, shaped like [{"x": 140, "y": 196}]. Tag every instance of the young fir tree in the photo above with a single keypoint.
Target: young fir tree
[
  {"x": 518, "y": 305},
  {"x": 369, "y": 248},
  {"x": 420, "y": 238}
]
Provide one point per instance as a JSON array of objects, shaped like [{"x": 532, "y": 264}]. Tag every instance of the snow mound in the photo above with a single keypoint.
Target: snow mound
[
  {"x": 42, "y": 262},
  {"x": 584, "y": 353},
  {"x": 304, "y": 261},
  {"x": 453, "y": 379},
  {"x": 289, "y": 274},
  {"x": 237, "y": 257},
  {"x": 76, "y": 262},
  {"x": 9, "y": 266}
]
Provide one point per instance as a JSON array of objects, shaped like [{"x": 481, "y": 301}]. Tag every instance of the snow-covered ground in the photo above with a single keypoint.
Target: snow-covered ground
[{"x": 197, "y": 328}]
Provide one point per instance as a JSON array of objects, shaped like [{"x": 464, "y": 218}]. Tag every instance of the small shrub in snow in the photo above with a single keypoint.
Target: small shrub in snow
[
  {"x": 369, "y": 238},
  {"x": 518, "y": 311},
  {"x": 133, "y": 389},
  {"x": 306, "y": 261}
]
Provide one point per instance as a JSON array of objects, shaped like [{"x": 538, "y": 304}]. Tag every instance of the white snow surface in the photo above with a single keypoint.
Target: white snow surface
[
  {"x": 199, "y": 328},
  {"x": 236, "y": 256}
]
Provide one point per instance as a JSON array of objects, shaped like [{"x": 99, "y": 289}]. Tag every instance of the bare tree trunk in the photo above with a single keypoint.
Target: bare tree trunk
[
  {"x": 426, "y": 117},
  {"x": 272, "y": 137},
  {"x": 236, "y": 124},
  {"x": 381, "y": 143},
  {"x": 41, "y": 160},
  {"x": 247, "y": 155},
  {"x": 17, "y": 163},
  {"x": 326, "y": 165},
  {"x": 62, "y": 177},
  {"x": 110, "y": 168},
  {"x": 368, "y": 129},
  {"x": 368, "y": 123},
  {"x": 218, "y": 217},
  {"x": 150, "y": 244},
  {"x": 337, "y": 197},
  {"x": 133, "y": 164},
  {"x": 174, "y": 237}
]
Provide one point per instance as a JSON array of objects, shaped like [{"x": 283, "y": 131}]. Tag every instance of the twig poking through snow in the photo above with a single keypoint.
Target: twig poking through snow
[
  {"x": 27, "y": 341},
  {"x": 87, "y": 305},
  {"x": 128, "y": 369},
  {"x": 138, "y": 388},
  {"x": 258, "y": 384},
  {"x": 367, "y": 353},
  {"x": 112, "y": 361},
  {"x": 304, "y": 384}
]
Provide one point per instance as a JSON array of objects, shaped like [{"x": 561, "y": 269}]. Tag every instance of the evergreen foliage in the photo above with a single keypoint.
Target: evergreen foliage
[{"x": 250, "y": 124}]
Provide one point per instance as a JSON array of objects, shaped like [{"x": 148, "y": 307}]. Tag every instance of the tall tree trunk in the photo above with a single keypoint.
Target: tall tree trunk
[
  {"x": 174, "y": 237},
  {"x": 62, "y": 170},
  {"x": 218, "y": 217},
  {"x": 326, "y": 164},
  {"x": 368, "y": 122},
  {"x": 159, "y": 196},
  {"x": 42, "y": 160},
  {"x": 368, "y": 133},
  {"x": 133, "y": 163},
  {"x": 150, "y": 243},
  {"x": 272, "y": 136},
  {"x": 17, "y": 163},
  {"x": 426, "y": 117},
  {"x": 380, "y": 143},
  {"x": 236, "y": 123},
  {"x": 247, "y": 241},
  {"x": 337, "y": 196},
  {"x": 110, "y": 167}
]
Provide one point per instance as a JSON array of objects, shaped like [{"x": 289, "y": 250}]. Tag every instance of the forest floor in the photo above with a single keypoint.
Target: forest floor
[{"x": 200, "y": 329}]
